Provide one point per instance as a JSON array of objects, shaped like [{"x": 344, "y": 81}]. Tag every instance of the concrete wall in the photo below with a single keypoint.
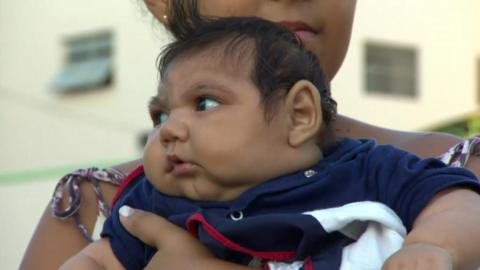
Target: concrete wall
[
  {"x": 41, "y": 128},
  {"x": 447, "y": 37}
]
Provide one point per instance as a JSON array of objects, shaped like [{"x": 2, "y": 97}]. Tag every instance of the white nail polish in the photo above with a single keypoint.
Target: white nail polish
[{"x": 125, "y": 211}]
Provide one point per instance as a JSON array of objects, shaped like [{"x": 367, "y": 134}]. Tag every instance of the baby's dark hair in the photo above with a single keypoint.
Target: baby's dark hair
[{"x": 278, "y": 57}]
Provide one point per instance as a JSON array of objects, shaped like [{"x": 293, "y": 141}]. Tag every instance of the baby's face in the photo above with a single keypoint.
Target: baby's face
[{"x": 211, "y": 140}]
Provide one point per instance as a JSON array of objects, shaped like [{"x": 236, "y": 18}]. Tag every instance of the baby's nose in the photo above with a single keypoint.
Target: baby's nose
[{"x": 172, "y": 130}]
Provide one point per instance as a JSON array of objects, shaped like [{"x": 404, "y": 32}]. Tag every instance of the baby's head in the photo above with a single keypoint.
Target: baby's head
[{"x": 240, "y": 102}]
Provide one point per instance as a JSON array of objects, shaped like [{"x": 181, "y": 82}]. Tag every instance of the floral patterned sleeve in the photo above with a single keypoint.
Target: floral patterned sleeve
[
  {"x": 459, "y": 154},
  {"x": 71, "y": 184}
]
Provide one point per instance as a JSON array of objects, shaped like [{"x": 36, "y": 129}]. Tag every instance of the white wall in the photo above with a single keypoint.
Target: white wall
[
  {"x": 41, "y": 128},
  {"x": 22, "y": 206},
  {"x": 447, "y": 35}
]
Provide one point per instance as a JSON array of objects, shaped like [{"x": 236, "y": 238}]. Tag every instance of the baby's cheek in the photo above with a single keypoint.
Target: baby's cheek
[{"x": 154, "y": 168}]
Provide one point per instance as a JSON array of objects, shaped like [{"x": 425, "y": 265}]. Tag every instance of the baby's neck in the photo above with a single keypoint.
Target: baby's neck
[{"x": 297, "y": 160}]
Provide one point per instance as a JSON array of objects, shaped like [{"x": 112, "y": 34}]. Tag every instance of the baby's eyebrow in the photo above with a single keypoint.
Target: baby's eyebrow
[{"x": 205, "y": 87}]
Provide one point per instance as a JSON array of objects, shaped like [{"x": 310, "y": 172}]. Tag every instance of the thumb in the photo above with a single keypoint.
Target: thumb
[{"x": 145, "y": 225}]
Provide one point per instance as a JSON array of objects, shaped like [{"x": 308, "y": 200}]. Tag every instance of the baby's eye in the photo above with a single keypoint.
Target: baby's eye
[
  {"x": 161, "y": 118},
  {"x": 206, "y": 103}
]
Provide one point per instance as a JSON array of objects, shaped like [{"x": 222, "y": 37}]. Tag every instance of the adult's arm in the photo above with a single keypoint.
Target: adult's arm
[
  {"x": 55, "y": 240},
  {"x": 450, "y": 222}
]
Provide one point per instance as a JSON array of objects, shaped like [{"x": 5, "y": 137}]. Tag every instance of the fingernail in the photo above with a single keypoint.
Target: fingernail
[{"x": 125, "y": 211}]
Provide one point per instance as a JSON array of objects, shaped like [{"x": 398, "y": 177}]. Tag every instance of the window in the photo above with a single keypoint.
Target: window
[
  {"x": 88, "y": 63},
  {"x": 391, "y": 70}
]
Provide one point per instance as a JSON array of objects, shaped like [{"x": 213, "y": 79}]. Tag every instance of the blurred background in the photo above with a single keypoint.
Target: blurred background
[{"x": 75, "y": 78}]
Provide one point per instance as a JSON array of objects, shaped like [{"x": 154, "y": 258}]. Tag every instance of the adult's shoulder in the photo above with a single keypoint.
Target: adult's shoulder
[{"x": 423, "y": 144}]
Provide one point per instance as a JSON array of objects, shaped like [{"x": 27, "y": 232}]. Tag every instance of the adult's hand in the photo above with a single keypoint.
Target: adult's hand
[
  {"x": 177, "y": 249},
  {"x": 419, "y": 256}
]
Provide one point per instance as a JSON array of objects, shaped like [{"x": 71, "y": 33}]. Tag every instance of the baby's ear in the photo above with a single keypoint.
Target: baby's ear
[{"x": 303, "y": 107}]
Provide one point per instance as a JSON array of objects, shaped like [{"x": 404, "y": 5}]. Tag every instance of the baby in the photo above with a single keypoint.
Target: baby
[{"x": 243, "y": 155}]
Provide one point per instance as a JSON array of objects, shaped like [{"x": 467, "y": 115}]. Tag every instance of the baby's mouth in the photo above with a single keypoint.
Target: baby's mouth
[{"x": 178, "y": 167}]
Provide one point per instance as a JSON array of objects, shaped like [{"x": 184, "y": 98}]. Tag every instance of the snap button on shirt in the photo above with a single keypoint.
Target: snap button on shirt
[
  {"x": 238, "y": 215},
  {"x": 309, "y": 173}
]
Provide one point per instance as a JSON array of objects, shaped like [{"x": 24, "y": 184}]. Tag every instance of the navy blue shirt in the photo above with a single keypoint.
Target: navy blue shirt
[{"x": 266, "y": 220}]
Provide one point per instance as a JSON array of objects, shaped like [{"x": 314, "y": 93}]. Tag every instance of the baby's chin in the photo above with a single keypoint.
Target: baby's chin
[
  {"x": 192, "y": 188},
  {"x": 203, "y": 193},
  {"x": 198, "y": 189}
]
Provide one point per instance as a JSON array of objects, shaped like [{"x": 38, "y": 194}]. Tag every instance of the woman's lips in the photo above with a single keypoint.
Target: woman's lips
[
  {"x": 301, "y": 29},
  {"x": 305, "y": 35}
]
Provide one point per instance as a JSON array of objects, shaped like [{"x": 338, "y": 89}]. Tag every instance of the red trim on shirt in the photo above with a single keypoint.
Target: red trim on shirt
[
  {"x": 128, "y": 180},
  {"x": 269, "y": 255},
  {"x": 308, "y": 264}
]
